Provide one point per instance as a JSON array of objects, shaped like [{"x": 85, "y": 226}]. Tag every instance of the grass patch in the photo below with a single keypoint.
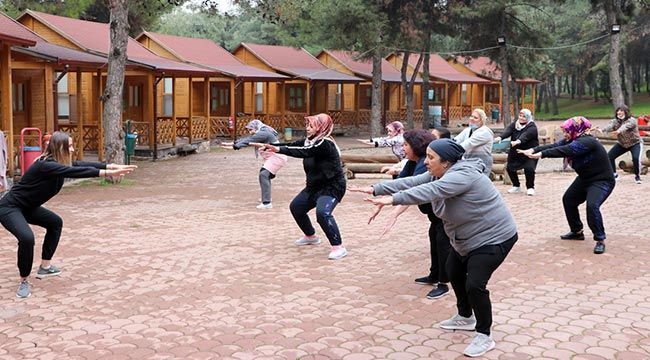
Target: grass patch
[{"x": 589, "y": 109}]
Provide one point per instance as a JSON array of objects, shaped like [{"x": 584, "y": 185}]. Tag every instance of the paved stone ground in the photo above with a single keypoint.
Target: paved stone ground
[{"x": 178, "y": 263}]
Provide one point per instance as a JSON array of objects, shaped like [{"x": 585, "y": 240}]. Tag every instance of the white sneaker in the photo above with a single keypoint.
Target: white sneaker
[
  {"x": 308, "y": 240},
  {"x": 530, "y": 192},
  {"x": 514, "y": 189},
  {"x": 480, "y": 345},
  {"x": 458, "y": 322},
  {"x": 338, "y": 252},
  {"x": 265, "y": 206}
]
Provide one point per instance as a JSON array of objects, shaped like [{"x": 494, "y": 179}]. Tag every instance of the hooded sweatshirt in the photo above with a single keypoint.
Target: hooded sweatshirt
[
  {"x": 478, "y": 145},
  {"x": 265, "y": 134},
  {"x": 471, "y": 208}
]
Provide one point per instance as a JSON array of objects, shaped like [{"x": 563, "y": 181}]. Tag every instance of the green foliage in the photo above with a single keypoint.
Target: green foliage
[
  {"x": 590, "y": 109},
  {"x": 69, "y": 8},
  {"x": 142, "y": 14}
]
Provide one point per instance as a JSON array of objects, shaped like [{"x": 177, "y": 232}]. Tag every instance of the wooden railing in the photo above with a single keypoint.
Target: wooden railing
[
  {"x": 142, "y": 129},
  {"x": 90, "y": 135},
  {"x": 200, "y": 128}
]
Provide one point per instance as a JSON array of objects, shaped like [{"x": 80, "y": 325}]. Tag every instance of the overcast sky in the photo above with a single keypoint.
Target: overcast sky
[{"x": 224, "y": 5}]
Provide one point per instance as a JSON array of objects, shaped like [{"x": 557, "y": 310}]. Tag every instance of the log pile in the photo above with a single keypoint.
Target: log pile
[
  {"x": 627, "y": 166},
  {"x": 499, "y": 162},
  {"x": 365, "y": 164}
]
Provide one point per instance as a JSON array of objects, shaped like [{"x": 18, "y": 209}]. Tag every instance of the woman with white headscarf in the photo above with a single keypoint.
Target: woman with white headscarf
[
  {"x": 262, "y": 133},
  {"x": 523, "y": 135}
]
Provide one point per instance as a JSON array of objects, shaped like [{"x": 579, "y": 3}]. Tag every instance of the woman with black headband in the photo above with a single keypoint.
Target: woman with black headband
[{"x": 481, "y": 229}]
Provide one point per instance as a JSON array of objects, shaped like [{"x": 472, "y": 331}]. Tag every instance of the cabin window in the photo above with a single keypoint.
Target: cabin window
[
  {"x": 18, "y": 97},
  {"x": 168, "y": 96},
  {"x": 365, "y": 102},
  {"x": 134, "y": 96},
  {"x": 296, "y": 98},
  {"x": 219, "y": 99},
  {"x": 63, "y": 97},
  {"x": 334, "y": 92},
  {"x": 463, "y": 94},
  {"x": 259, "y": 97}
]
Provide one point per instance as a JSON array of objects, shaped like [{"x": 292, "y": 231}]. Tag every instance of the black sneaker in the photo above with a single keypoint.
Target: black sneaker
[
  {"x": 426, "y": 280},
  {"x": 600, "y": 247},
  {"x": 438, "y": 292},
  {"x": 573, "y": 236}
]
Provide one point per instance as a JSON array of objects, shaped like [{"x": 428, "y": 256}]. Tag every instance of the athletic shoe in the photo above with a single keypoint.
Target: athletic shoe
[
  {"x": 600, "y": 247},
  {"x": 338, "y": 252},
  {"x": 514, "y": 189},
  {"x": 637, "y": 180},
  {"x": 426, "y": 280},
  {"x": 265, "y": 206},
  {"x": 438, "y": 292},
  {"x": 530, "y": 192},
  {"x": 308, "y": 240},
  {"x": 50, "y": 271},
  {"x": 480, "y": 345},
  {"x": 458, "y": 322},
  {"x": 24, "y": 290},
  {"x": 573, "y": 236}
]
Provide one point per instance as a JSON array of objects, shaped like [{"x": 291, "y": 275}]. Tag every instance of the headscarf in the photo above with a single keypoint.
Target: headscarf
[
  {"x": 323, "y": 124},
  {"x": 447, "y": 149},
  {"x": 576, "y": 126},
  {"x": 397, "y": 126},
  {"x": 529, "y": 118},
  {"x": 254, "y": 125}
]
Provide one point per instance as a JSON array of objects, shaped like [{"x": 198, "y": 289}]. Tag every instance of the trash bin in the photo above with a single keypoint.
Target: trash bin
[
  {"x": 495, "y": 115},
  {"x": 129, "y": 142},
  {"x": 288, "y": 134},
  {"x": 28, "y": 154}
]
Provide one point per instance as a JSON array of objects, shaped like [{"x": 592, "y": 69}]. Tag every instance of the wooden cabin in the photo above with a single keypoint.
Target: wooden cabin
[
  {"x": 242, "y": 89},
  {"x": 456, "y": 92},
  {"x": 393, "y": 102},
  {"x": 12, "y": 34},
  {"x": 144, "y": 72},
  {"x": 310, "y": 88},
  {"x": 483, "y": 67}
]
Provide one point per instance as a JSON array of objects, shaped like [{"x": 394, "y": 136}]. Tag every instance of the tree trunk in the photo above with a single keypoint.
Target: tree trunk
[
  {"x": 516, "y": 98},
  {"x": 594, "y": 86},
  {"x": 614, "y": 55},
  {"x": 425, "y": 81},
  {"x": 647, "y": 76},
  {"x": 505, "y": 101},
  {"x": 547, "y": 90},
  {"x": 407, "y": 85},
  {"x": 375, "y": 112},
  {"x": 629, "y": 81},
  {"x": 112, "y": 97},
  {"x": 573, "y": 85},
  {"x": 553, "y": 96},
  {"x": 540, "y": 95}
]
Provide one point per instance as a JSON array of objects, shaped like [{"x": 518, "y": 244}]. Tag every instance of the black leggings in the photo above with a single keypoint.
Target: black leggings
[
  {"x": 469, "y": 277},
  {"x": 16, "y": 221},
  {"x": 439, "y": 247}
]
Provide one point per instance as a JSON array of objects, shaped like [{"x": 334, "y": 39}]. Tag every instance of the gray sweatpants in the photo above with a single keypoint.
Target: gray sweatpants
[{"x": 265, "y": 184}]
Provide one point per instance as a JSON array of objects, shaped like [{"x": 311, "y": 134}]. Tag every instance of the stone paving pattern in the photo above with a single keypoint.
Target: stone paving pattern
[{"x": 178, "y": 263}]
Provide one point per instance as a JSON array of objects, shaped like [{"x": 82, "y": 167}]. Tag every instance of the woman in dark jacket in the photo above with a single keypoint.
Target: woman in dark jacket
[
  {"x": 325, "y": 181},
  {"x": 523, "y": 135},
  {"x": 22, "y": 205},
  {"x": 595, "y": 181}
]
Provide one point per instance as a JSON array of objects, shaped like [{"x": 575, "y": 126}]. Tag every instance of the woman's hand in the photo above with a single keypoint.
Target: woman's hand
[
  {"x": 515, "y": 143},
  {"x": 530, "y": 153},
  {"x": 498, "y": 139},
  {"x": 361, "y": 189},
  {"x": 381, "y": 201},
  {"x": 265, "y": 147},
  {"x": 120, "y": 167},
  {"x": 227, "y": 145},
  {"x": 367, "y": 142},
  {"x": 390, "y": 170}
]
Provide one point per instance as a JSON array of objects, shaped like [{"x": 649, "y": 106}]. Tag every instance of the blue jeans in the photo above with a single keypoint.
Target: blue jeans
[
  {"x": 304, "y": 202},
  {"x": 617, "y": 150}
]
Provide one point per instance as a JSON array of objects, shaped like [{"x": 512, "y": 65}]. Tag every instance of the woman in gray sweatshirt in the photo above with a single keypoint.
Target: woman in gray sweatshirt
[{"x": 480, "y": 227}]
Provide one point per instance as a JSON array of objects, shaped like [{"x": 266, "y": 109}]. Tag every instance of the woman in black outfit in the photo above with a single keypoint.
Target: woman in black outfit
[
  {"x": 595, "y": 181},
  {"x": 21, "y": 206},
  {"x": 523, "y": 135},
  {"x": 325, "y": 182}
]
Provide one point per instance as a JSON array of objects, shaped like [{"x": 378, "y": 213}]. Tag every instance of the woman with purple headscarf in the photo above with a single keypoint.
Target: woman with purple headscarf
[{"x": 594, "y": 183}]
